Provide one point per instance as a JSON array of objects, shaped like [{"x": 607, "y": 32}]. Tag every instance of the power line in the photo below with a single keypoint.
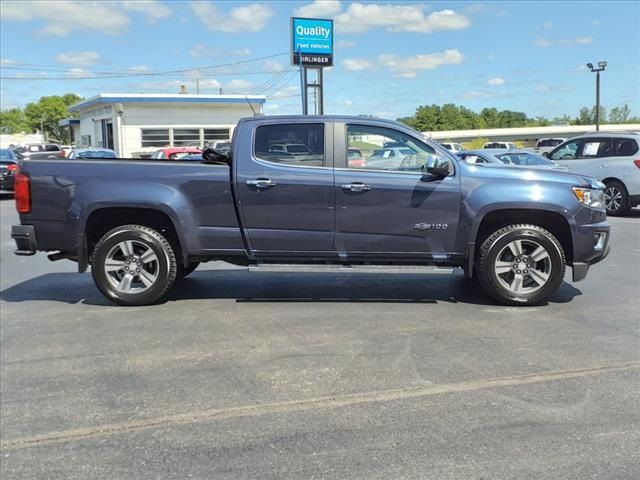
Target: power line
[{"x": 148, "y": 74}]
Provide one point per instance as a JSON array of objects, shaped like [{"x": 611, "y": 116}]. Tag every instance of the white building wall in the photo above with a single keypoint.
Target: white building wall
[{"x": 137, "y": 116}]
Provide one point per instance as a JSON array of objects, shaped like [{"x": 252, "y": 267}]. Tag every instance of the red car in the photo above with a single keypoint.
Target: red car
[
  {"x": 174, "y": 153},
  {"x": 356, "y": 160}
]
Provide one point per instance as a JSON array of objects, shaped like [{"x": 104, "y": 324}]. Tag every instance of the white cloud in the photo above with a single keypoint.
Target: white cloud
[
  {"x": 247, "y": 18},
  {"x": 494, "y": 82},
  {"x": 583, "y": 40},
  {"x": 319, "y": 9},
  {"x": 345, "y": 44},
  {"x": 241, "y": 52},
  {"x": 201, "y": 50},
  {"x": 356, "y": 64},
  {"x": 152, "y": 9},
  {"x": 409, "y": 66},
  {"x": 362, "y": 17},
  {"x": 542, "y": 42},
  {"x": 238, "y": 86},
  {"x": 271, "y": 66},
  {"x": 547, "y": 25},
  {"x": 139, "y": 69},
  {"x": 7, "y": 61},
  {"x": 78, "y": 73},
  {"x": 348, "y": 103},
  {"x": 78, "y": 58},
  {"x": 479, "y": 94},
  {"x": 567, "y": 42},
  {"x": 544, "y": 88},
  {"x": 65, "y": 16}
]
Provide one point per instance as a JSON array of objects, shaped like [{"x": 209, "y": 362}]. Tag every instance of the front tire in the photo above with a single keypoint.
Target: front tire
[
  {"x": 616, "y": 198},
  {"x": 134, "y": 265},
  {"x": 521, "y": 265}
]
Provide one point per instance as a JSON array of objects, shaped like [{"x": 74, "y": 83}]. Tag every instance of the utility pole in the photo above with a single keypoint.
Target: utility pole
[
  {"x": 42, "y": 132},
  {"x": 601, "y": 67},
  {"x": 198, "y": 86}
]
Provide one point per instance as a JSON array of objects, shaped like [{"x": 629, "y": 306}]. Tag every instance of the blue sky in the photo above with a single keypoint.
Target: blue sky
[{"x": 390, "y": 56}]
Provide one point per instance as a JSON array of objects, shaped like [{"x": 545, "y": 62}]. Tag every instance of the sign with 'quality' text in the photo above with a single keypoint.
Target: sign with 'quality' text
[{"x": 312, "y": 42}]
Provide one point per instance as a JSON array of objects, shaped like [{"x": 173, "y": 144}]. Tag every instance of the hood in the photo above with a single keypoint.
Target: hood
[{"x": 526, "y": 174}]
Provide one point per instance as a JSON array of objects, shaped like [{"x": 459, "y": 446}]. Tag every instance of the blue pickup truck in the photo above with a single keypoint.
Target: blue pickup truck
[{"x": 290, "y": 196}]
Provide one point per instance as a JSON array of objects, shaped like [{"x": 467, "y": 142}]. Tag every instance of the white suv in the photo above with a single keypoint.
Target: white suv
[
  {"x": 545, "y": 145},
  {"x": 612, "y": 158}
]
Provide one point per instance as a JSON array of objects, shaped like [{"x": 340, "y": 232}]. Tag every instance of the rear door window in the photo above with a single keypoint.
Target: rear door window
[
  {"x": 624, "y": 147},
  {"x": 595, "y": 148},
  {"x": 300, "y": 145}
]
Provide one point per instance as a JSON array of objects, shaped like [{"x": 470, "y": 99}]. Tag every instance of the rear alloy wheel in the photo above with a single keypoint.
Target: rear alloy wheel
[
  {"x": 616, "y": 198},
  {"x": 133, "y": 265},
  {"x": 521, "y": 265}
]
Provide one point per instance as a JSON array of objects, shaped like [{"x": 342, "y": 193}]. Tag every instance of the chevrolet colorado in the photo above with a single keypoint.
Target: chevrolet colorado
[{"x": 143, "y": 224}]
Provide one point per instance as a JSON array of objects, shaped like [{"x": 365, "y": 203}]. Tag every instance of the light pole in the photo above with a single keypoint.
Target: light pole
[{"x": 601, "y": 67}]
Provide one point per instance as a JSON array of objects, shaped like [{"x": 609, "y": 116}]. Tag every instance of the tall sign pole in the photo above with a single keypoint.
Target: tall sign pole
[{"x": 312, "y": 49}]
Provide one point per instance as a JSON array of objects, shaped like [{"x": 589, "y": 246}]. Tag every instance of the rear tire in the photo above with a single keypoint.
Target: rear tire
[
  {"x": 521, "y": 265},
  {"x": 133, "y": 265},
  {"x": 616, "y": 198}
]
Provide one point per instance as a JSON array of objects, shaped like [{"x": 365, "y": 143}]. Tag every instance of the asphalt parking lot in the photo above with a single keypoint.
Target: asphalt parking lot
[{"x": 246, "y": 375}]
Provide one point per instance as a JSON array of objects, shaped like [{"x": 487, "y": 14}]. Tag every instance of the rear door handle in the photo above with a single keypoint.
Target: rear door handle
[
  {"x": 262, "y": 183},
  {"x": 356, "y": 187}
]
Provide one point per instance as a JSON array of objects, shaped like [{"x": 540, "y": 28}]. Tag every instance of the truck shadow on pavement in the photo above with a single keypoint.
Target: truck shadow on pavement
[{"x": 245, "y": 287}]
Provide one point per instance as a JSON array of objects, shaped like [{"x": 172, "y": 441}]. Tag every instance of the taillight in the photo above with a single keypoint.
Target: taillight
[
  {"x": 12, "y": 168},
  {"x": 22, "y": 193},
  {"x": 637, "y": 162}
]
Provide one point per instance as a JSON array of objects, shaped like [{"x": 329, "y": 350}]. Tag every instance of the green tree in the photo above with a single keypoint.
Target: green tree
[
  {"x": 13, "y": 120},
  {"x": 47, "y": 112},
  {"x": 620, "y": 114},
  {"x": 584, "y": 117}
]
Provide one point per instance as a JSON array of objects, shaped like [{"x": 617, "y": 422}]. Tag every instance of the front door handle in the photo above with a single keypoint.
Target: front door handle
[
  {"x": 356, "y": 187},
  {"x": 262, "y": 183}
]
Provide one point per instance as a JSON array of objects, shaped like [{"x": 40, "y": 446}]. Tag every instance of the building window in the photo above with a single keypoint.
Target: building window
[
  {"x": 213, "y": 134},
  {"x": 155, "y": 137},
  {"x": 86, "y": 140},
  {"x": 183, "y": 137}
]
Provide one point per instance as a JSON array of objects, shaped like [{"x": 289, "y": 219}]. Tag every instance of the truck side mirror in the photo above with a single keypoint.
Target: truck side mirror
[
  {"x": 437, "y": 167},
  {"x": 210, "y": 155}
]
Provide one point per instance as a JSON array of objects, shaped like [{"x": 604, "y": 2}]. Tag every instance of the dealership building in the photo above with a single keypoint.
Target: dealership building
[{"x": 137, "y": 124}]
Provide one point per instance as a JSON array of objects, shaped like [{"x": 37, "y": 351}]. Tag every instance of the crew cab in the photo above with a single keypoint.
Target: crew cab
[{"x": 142, "y": 225}]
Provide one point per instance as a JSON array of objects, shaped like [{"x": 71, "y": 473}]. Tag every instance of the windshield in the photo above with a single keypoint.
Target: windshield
[
  {"x": 297, "y": 149},
  {"x": 97, "y": 154},
  {"x": 523, "y": 158},
  {"x": 6, "y": 154}
]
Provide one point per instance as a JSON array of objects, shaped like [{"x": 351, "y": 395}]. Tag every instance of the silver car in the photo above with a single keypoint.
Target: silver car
[{"x": 513, "y": 158}]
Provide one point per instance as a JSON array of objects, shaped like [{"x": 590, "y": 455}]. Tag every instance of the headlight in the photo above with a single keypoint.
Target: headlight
[{"x": 590, "y": 197}]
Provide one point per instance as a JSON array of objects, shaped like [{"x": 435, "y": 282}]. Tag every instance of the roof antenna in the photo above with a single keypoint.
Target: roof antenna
[{"x": 250, "y": 106}]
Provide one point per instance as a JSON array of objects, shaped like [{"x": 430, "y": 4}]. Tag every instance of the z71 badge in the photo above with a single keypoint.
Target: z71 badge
[{"x": 431, "y": 226}]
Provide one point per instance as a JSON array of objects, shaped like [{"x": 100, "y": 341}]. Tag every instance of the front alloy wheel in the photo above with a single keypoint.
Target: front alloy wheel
[{"x": 521, "y": 264}]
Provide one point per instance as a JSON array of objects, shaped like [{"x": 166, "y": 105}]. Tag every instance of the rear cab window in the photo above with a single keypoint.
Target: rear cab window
[{"x": 299, "y": 145}]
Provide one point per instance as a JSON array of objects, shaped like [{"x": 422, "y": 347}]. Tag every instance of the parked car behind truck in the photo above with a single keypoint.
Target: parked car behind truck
[
  {"x": 613, "y": 158},
  {"x": 146, "y": 224}
]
